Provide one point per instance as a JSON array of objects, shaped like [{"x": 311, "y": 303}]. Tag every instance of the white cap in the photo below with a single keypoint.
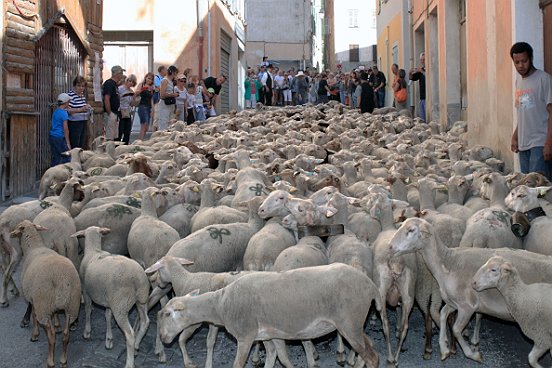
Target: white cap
[{"x": 63, "y": 98}]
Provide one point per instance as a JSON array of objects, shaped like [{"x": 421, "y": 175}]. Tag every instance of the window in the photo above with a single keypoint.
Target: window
[
  {"x": 353, "y": 18},
  {"x": 395, "y": 53},
  {"x": 354, "y": 53}
]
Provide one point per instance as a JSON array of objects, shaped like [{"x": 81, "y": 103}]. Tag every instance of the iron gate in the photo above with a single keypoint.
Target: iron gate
[
  {"x": 59, "y": 59},
  {"x": 225, "y": 52}
]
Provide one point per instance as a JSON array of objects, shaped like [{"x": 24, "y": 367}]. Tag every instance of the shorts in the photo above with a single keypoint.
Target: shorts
[{"x": 111, "y": 122}]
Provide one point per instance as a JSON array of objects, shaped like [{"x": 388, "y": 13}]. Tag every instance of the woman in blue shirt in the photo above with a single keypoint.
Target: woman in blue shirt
[{"x": 59, "y": 132}]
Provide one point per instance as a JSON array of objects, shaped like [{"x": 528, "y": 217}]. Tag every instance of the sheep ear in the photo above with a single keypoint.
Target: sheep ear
[
  {"x": 40, "y": 227},
  {"x": 78, "y": 234},
  {"x": 542, "y": 191},
  {"x": 270, "y": 188},
  {"x": 425, "y": 229},
  {"x": 193, "y": 293},
  {"x": 293, "y": 189},
  {"x": 506, "y": 268},
  {"x": 155, "y": 267},
  {"x": 184, "y": 261},
  {"x": 104, "y": 230}
]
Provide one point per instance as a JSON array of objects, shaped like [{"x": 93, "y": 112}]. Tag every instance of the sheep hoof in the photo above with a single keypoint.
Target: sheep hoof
[
  {"x": 86, "y": 335},
  {"x": 340, "y": 359},
  {"x": 34, "y": 338},
  {"x": 477, "y": 357},
  {"x": 63, "y": 364},
  {"x": 162, "y": 358},
  {"x": 109, "y": 344},
  {"x": 24, "y": 324},
  {"x": 4, "y": 304},
  {"x": 427, "y": 355},
  {"x": 445, "y": 354}
]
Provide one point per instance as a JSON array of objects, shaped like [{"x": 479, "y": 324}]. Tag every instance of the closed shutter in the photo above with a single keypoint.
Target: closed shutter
[{"x": 225, "y": 52}]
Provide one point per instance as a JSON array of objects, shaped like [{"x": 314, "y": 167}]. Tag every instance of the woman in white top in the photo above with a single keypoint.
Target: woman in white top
[
  {"x": 167, "y": 94},
  {"x": 181, "y": 99},
  {"x": 126, "y": 96}
]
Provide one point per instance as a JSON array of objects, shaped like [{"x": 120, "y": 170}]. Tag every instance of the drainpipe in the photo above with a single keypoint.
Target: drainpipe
[
  {"x": 200, "y": 40},
  {"x": 209, "y": 37}
]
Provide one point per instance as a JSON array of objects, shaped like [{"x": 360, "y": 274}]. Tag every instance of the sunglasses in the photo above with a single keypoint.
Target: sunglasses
[{"x": 182, "y": 80}]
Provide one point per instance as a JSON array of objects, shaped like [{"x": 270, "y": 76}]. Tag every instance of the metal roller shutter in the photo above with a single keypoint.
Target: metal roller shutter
[{"x": 225, "y": 52}]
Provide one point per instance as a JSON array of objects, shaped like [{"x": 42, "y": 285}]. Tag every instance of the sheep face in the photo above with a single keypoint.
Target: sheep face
[
  {"x": 410, "y": 237},
  {"x": 173, "y": 318},
  {"x": 489, "y": 275},
  {"x": 523, "y": 198}
]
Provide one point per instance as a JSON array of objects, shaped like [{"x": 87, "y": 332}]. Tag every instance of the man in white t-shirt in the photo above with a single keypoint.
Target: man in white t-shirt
[
  {"x": 532, "y": 138},
  {"x": 279, "y": 86}
]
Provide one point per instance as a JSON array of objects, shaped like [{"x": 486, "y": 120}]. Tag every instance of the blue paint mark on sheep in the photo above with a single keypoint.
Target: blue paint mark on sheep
[
  {"x": 258, "y": 189},
  {"x": 97, "y": 171},
  {"x": 45, "y": 204},
  {"x": 191, "y": 208},
  {"x": 218, "y": 233},
  {"x": 134, "y": 202},
  {"x": 118, "y": 211}
]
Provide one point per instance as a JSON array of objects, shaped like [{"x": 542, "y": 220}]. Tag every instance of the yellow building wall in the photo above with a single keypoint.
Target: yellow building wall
[{"x": 393, "y": 33}]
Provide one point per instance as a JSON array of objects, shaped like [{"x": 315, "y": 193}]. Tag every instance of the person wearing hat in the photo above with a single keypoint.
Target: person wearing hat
[
  {"x": 59, "y": 132},
  {"x": 112, "y": 102}
]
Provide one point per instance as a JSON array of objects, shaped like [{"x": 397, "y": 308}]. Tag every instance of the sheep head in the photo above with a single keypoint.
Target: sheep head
[
  {"x": 491, "y": 273},
  {"x": 410, "y": 237}
]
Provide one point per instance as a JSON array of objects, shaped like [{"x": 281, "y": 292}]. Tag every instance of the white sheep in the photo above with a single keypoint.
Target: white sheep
[
  {"x": 529, "y": 304},
  {"x": 313, "y": 312},
  {"x": 453, "y": 269},
  {"x": 50, "y": 284},
  {"x": 116, "y": 283},
  {"x": 149, "y": 238},
  {"x": 171, "y": 270},
  {"x": 524, "y": 199}
]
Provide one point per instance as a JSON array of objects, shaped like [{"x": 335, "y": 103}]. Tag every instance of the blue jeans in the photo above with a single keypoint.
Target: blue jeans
[
  {"x": 422, "y": 110},
  {"x": 380, "y": 98},
  {"x": 144, "y": 112},
  {"x": 57, "y": 147},
  {"x": 532, "y": 160},
  {"x": 200, "y": 113}
]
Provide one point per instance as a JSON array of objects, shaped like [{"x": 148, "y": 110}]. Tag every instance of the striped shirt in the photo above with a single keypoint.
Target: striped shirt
[{"x": 77, "y": 102}]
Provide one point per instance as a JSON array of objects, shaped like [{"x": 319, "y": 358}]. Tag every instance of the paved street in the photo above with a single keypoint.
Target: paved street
[{"x": 502, "y": 346}]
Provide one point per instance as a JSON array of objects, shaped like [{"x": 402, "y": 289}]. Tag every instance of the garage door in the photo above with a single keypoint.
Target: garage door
[{"x": 225, "y": 52}]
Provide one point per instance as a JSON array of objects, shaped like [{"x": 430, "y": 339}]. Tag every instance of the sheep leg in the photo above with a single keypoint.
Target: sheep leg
[
  {"x": 144, "y": 323},
  {"x": 121, "y": 317},
  {"x": 244, "y": 345},
  {"x": 406, "y": 307},
  {"x": 160, "y": 348},
  {"x": 7, "y": 277},
  {"x": 271, "y": 353},
  {"x": 25, "y": 321},
  {"x": 211, "y": 340},
  {"x": 255, "y": 360},
  {"x": 57, "y": 323},
  {"x": 443, "y": 339},
  {"x": 462, "y": 319},
  {"x": 87, "y": 312},
  {"x": 36, "y": 331},
  {"x": 108, "y": 332},
  {"x": 156, "y": 295},
  {"x": 475, "y": 336},
  {"x": 385, "y": 325},
  {"x": 340, "y": 358},
  {"x": 184, "y": 336},
  {"x": 281, "y": 351},
  {"x": 310, "y": 352},
  {"x": 450, "y": 323},
  {"x": 428, "y": 335},
  {"x": 362, "y": 345},
  {"x": 536, "y": 353},
  {"x": 63, "y": 359},
  {"x": 51, "y": 333}
]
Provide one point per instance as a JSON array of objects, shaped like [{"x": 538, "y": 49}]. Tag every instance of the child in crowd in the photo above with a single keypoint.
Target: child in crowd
[
  {"x": 208, "y": 103},
  {"x": 59, "y": 133},
  {"x": 199, "y": 109},
  {"x": 190, "y": 104}
]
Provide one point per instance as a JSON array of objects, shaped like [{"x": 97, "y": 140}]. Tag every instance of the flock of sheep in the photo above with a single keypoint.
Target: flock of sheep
[{"x": 225, "y": 218}]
